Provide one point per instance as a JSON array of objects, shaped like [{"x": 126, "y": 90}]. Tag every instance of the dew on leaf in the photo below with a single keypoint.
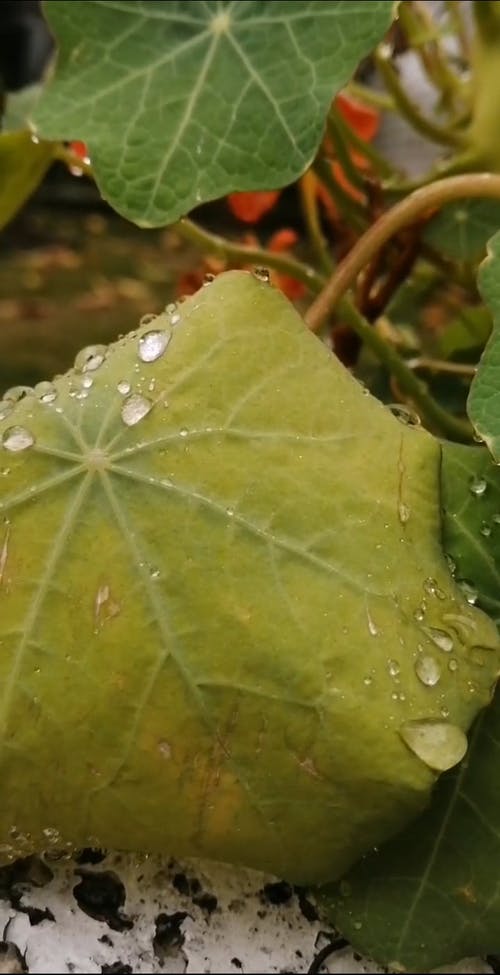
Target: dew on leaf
[
  {"x": 262, "y": 274},
  {"x": 5, "y": 409},
  {"x": 437, "y": 743},
  {"x": 432, "y": 589},
  {"x": 90, "y": 358},
  {"x": 152, "y": 345},
  {"x": 183, "y": 432},
  {"x": 17, "y": 393},
  {"x": 453, "y": 665},
  {"x": 469, "y": 591},
  {"x": 123, "y": 387},
  {"x": 485, "y": 529},
  {"x": 135, "y": 408},
  {"x": 403, "y": 513},
  {"x": 171, "y": 308},
  {"x": 393, "y": 668},
  {"x": 46, "y": 392},
  {"x": 405, "y": 415},
  {"x": 441, "y": 638},
  {"x": 208, "y": 278},
  {"x": 427, "y": 670},
  {"x": 17, "y": 438},
  {"x": 477, "y": 486},
  {"x": 419, "y": 614}
]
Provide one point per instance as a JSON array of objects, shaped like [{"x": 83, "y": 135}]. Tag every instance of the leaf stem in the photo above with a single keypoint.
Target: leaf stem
[
  {"x": 365, "y": 149},
  {"x": 423, "y": 37},
  {"x": 351, "y": 210},
  {"x": 377, "y": 99},
  {"x": 407, "y": 211},
  {"x": 215, "y": 244},
  {"x": 436, "y": 416},
  {"x": 309, "y": 200},
  {"x": 421, "y": 123}
]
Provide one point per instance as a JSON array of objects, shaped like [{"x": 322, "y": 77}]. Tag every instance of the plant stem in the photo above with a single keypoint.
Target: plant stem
[
  {"x": 338, "y": 137},
  {"x": 243, "y": 253},
  {"x": 349, "y": 207},
  {"x": 365, "y": 149},
  {"x": 309, "y": 200},
  {"x": 377, "y": 99},
  {"x": 455, "y": 14},
  {"x": 407, "y": 107},
  {"x": 442, "y": 365},
  {"x": 422, "y": 34},
  {"x": 436, "y": 416},
  {"x": 407, "y": 211}
]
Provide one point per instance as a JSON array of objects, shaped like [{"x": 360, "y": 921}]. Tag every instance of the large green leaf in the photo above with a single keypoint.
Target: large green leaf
[
  {"x": 182, "y": 101},
  {"x": 484, "y": 397},
  {"x": 208, "y": 644},
  {"x": 430, "y": 896}
]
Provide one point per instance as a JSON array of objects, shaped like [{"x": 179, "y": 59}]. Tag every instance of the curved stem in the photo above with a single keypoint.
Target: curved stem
[
  {"x": 371, "y": 96},
  {"x": 309, "y": 201},
  {"x": 407, "y": 211},
  {"x": 436, "y": 416},
  {"x": 215, "y": 244},
  {"x": 421, "y": 123}
]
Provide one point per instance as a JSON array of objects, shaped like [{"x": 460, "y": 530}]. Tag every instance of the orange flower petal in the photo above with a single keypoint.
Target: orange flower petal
[
  {"x": 79, "y": 149},
  {"x": 290, "y": 287},
  {"x": 283, "y": 240},
  {"x": 250, "y": 207},
  {"x": 363, "y": 119}
]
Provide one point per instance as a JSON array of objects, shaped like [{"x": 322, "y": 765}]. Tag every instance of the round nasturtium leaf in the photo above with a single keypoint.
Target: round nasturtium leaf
[{"x": 227, "y": 627}]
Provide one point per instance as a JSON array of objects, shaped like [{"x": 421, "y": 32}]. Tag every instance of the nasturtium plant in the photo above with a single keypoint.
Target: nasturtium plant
[
  {"x": 214, "y": 633},
  {"x": 250, "y": 575}
]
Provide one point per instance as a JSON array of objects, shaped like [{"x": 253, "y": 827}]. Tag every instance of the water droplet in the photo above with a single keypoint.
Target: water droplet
[
  {"x": 393, "y": 668},
  {"x": 135, "y": 408},
  {"x": 87, "y": 382},
  {"x": 367, "y": 681},
  {"x": 164, "y": 749},
  {"x": 152, "y": 345},
  {"x": 46, "y": 392},
  {"x": 404, "y": 415},
  {"x": 445, "y": 712},
  {"x": 441, "y": 638},
  {"x": 453, "y": 665},
  {"x": 469, "y": 591},
  {"x": 452, "y": 565},
  {"x": 208, "y": 278},
  {"x": 230, "y": 512},
  {"x": 146, "y": 319},
  {"x": 17, "y": 438},
  {"x": 124, "y": 387},
  {"x": 427, "y": 670},
  {"x": 90, "y": 358},
  {"x": 262, "y": 274},
  {"x": 357, "y": 925},
  {"x": 439, "y": 744},
  {"x": 485, "y": 529},
  {"x": 419, "y": 614},
  {"x": 403, "y": 513},
  {"x": 432, "y": 589},
  {"x": 183, "y": 432},
  {"x": 171, "y": 308},
  {"x": 372, "y": 628},
  {"x": 17, "y": 393},
  {"x": 154, "y": 573},
  {"x": 51, "y": 834},
  {"x": 477, "y": 486}
]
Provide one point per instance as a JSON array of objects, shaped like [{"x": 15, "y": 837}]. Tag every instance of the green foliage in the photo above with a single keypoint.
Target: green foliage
[
  {"x": 430, "y": 896},
  {"x": 484, "y": 398},
  {"x": 196, "y": 607},
  {"x": 23, "y": 163},
  {"x": 181, "y": 102},
  {"x": 461, "y": 230}
]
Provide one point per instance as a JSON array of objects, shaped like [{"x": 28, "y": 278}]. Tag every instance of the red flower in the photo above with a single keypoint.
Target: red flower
[{"x": 250, "y": 207}]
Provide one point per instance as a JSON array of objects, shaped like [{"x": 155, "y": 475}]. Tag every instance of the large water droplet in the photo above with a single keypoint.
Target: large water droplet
[
  {"x": 477, "y": 486},
  {"x": 90, "y": 358},
  {"x": 135, "y": 408},
  {"x": 262, "y": 274},
  {"x": 17, "y": 438},
  {"x": 469, "y": 591},
  {"x": 46, "y": 392},
  {"x": 439, "y": 744},
  {"x": 152, "y": 345},
  {"x": 17, "y": 393},
  {"x": 441, "y": 638},
  {"x": 427, "y": 670},
  {"x": 404, "y": 415}
]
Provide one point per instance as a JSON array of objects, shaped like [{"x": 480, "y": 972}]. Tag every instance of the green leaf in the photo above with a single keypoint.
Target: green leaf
[
  {"x": 182, "y": 102},
  {"x": 203, "y": 534},
  {"x": 483, "y": 404},
  {"x": 430, "y": 896},
  {"x": 23, "y": 164},
  {"x": 462, "y": 230}
]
